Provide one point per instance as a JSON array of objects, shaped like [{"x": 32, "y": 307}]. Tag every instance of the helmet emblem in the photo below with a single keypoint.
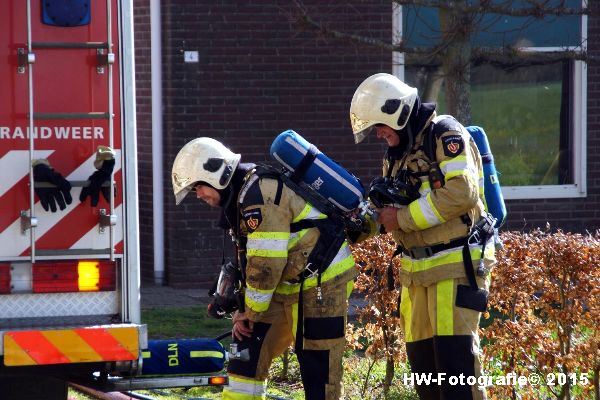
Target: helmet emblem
[
  {"x": 181, "y": 181},
  {"x": 357, "y": 123}
]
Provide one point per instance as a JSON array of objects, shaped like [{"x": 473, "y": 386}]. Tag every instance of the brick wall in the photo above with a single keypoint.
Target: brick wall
[
  {"x": 588, "y": 211},
  {"x": 258, "y": 74},
  {"x": 144, "y": 132}
]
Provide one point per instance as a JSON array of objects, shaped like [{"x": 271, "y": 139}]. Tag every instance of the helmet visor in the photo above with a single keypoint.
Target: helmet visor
[
  {"x": 360, "y": 136},
  {"x": 360, "y": 127},
  {"x": 179, "y": 196}
]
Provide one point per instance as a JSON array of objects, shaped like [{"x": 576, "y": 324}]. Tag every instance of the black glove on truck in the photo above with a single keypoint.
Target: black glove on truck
[
  {"x": 49, "y": 196},
  {"x": 105, "y": 163}
]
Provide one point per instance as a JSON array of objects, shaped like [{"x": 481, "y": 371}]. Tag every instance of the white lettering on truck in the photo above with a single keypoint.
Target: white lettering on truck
[{"x": 55, "y": 132}]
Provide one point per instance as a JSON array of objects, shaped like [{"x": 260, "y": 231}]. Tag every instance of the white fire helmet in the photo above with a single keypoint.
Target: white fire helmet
[
  {"x": 380, "y": 99},
  {"x": 202, "y": 160}
]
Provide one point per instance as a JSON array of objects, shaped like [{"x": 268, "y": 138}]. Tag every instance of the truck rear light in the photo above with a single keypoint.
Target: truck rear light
[
  {"x": 96, "y": 276},
  {"x": 20, "y": 278},
  {"x": 55, "y": 277},
  {"x": 218, "y": 380},
  {"x": 73, "y": 276},
  {"x": 4, "y": 278}
]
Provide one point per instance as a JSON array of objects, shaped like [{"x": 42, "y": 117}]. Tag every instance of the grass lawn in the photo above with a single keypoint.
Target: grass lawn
[
  {"x": 183, "y": 323},
  {"x": 192, "y": 322}
]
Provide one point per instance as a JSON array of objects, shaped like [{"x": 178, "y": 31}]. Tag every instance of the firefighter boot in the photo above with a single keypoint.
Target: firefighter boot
[
  {"x": 422, "y": 362},
  {"x": 458, "y": 355}
]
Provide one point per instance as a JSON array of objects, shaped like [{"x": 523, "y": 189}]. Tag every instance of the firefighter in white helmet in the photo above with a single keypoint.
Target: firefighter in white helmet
[
  {"x": 286, "y": 298},
  {"x": 440, "y": 225}
]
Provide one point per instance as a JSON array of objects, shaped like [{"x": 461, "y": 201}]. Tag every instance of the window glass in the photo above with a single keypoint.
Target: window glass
[
  {"x": 422, "y": 27},
  {"x": 530, "y": 114},
  {"x": 525, "y": 114}
]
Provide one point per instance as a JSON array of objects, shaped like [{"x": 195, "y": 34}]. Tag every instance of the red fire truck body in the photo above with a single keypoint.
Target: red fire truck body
[{"x": 69, "y": 280}]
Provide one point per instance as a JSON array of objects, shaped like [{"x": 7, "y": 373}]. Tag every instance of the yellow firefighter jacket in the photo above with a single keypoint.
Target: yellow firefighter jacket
[
  {"x": 441, "y": 214},
  {"x": 275, "y": 255}
]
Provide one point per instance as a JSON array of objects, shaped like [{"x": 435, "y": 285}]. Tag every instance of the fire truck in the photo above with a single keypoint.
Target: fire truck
[{"x": 69, "y": 279}]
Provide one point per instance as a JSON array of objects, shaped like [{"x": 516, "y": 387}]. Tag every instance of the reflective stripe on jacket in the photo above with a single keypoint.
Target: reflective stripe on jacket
[
  {"x": 439, "y": 215},
  {"x": 275, "y": 257}
]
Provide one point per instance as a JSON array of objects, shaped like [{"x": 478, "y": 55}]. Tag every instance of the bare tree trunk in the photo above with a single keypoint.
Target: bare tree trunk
[
  {"x": 285, "y": 365},
  {"x": 435, "y": 79},
  {"x": 597, "y": 382},
  {"x": 389, "y": 376},
  {"x": 456, "y": 28}
]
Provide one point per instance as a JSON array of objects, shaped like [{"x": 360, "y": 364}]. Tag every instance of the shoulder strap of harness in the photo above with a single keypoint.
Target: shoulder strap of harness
[
  {"x": 266, "y": 171},
  {"x": 306, "y": 162},
  {"x": 439, "y": 125},
  {"x": 331, "y": 234}
]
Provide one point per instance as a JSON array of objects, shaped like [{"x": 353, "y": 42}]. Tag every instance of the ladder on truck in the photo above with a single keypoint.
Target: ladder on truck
[{"x": 105, "y": 60}]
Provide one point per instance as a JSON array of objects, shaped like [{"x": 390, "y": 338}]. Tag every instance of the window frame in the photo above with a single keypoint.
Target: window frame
[{"x": 578, "y": 125}]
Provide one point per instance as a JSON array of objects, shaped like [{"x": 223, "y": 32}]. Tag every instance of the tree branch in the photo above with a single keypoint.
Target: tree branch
[
  {"x": 511, "y": 58},
  {"x": 538, "y": 10},
  {"x": 508, "y": 58}
]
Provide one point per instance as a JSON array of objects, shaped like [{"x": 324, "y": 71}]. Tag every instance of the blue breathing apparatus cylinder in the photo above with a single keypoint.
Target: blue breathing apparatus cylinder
[
  {"x": 493, "y": 193},
  {"x": 329, "y": 179}
]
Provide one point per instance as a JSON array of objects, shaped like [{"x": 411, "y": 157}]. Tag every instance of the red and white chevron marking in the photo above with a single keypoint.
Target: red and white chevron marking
[{"x": 76, "y": 227}]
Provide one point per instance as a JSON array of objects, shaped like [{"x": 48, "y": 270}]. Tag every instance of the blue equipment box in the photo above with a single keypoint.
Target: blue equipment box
[{"x": 183, "y": 356}]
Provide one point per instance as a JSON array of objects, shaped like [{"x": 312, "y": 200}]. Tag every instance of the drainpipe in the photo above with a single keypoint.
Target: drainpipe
[{"x": 157, "y": 142}]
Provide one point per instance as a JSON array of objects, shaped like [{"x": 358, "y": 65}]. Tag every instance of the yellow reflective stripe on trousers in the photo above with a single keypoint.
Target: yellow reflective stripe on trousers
[
  {"x": 244, "y": 389},
  {"x": 446, "y": 257},
  {"x": 342, "y": 262},
  {"x": 258, "y": 299},
  {"x": 406, "y": 311},
  {"x": 294, "y": 319},
  {"x": 267, "y": 244},
  {"x": 424, "y": 213},
  {"x": 444, "y": 307}
]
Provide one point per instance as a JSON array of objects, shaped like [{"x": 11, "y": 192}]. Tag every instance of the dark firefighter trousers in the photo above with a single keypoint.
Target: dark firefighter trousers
[
  {"x": 321, "y": 358},
  {"x": 441, "y": 338}
]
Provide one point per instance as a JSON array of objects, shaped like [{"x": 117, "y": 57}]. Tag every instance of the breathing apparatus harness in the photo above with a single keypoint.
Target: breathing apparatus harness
[
  {"x": 400, "y": 191},
  {"x": 227, "y": 290},
  {"x": 331, "y": 229}
]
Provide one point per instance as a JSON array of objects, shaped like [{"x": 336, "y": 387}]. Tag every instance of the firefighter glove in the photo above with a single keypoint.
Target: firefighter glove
[
  {"x": 104, "y": 163},
  {"x": 59, "y": 193}
]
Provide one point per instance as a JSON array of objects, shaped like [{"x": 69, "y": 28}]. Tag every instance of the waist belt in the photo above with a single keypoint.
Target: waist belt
[{"x": 428, "y": 251}]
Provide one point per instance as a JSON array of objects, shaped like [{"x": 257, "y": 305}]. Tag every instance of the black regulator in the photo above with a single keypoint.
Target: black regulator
[{"x": 226, "y": 292}]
